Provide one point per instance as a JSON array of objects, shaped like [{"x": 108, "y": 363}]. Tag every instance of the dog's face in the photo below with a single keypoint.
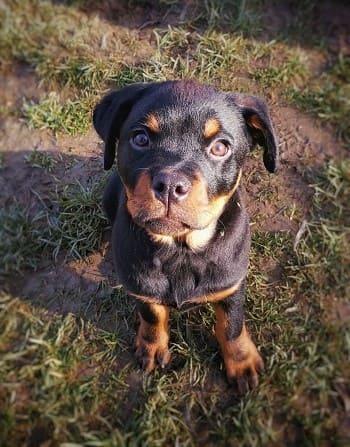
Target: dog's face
[{"x": 181, "y": 148}]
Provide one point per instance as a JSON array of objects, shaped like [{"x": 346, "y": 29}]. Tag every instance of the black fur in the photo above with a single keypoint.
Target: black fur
[{"x": 173, "y": 274}]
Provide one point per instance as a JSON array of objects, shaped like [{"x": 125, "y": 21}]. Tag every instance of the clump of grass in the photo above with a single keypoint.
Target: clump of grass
[
  {"x": 39, "y": 159},
  {"x": 78, "y": 226},
  {"x": 329, "y": 97},
  {"x": 82, "y": 72},
  {"x": 74, "y": 226},
  {"x": 21, "y": 241},
  {"x": 61, "y": 43},
  {"x": 290, "y": 72},
  {"x": 324, "y": 253},
  {"x": 72, "y": 117},
  {"x": 234, "y": 15}
]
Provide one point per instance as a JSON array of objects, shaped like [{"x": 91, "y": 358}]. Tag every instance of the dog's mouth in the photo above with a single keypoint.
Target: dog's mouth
[
  {"x": 168, "y": 226},
  {"x": 178, "y": 215}
]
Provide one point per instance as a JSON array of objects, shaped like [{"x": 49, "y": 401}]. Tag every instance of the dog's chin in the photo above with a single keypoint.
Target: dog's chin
[{"x": 166, "y": 226}]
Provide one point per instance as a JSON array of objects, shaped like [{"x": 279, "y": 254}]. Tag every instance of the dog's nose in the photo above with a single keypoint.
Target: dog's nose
[{"x": 171, "y": 186}]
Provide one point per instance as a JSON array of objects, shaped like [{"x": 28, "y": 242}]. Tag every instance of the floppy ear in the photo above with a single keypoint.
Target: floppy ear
[
  {"x": 257, "y": 118},
  {"x": 109, "y": 115}
]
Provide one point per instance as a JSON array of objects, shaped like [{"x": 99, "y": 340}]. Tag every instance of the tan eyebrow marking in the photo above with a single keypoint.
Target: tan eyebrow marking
[
  {"x": 152, "y": 122},
  {"x": 211, "y": 127}
]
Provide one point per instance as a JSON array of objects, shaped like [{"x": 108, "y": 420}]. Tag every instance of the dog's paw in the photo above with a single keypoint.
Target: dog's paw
[
  {"x": 243, "y": 367},
  {"x": 149, "y": 354},
  {"x": 242, "y": 361}
]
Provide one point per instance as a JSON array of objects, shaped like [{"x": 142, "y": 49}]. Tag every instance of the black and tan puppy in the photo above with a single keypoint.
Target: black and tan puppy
[{"x": 180, "y": 230}]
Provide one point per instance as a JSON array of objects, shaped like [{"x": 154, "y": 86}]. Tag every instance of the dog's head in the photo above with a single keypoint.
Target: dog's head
[{"x": 181, "y": 146}]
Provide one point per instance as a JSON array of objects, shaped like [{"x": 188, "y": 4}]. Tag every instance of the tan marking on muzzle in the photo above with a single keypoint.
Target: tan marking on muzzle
[
  {"x": 208, "y": 216},
  {"x": 142, "y": 197}
]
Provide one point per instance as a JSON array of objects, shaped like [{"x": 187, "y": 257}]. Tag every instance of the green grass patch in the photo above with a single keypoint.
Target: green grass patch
[
  {"x": 236, "y": 15},
  {"x": 71, "y": 117},
  {"x": 42, "y": 160},
  {"x": 21, "y": 242},
  {"x": 292, "y": 71},
  {"x": 229, "y": 61},
  {"x": 73, "y": 226},
  {"x": 329, "y": 97},
  {"x": 62, "y": 44},
  {"x": 78, "y": 224},
  {"x": 324, "y": 252}
]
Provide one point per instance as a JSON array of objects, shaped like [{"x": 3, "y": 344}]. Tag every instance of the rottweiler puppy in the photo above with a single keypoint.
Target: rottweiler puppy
[{"x": 180, "y": 230}]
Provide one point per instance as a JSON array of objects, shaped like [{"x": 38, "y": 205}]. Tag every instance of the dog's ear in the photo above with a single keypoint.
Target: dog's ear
[
  {"x": 259, "y": 125},
  {"x": 109, "y": 115}
]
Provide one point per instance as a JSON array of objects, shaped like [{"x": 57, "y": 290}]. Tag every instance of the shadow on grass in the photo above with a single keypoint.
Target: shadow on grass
[{"x": 309, "y": 23}]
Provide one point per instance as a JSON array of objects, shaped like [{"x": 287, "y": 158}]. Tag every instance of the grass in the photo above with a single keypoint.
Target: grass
[
  {"x": 74, "y": 225},
  {"x": 42, "y": 160},
  {"x": 20, "y": 240},
  {"x": 78, "y": 226},
  {"x": 71, "y": 379},
  {"x": 71, "y": 374},
  {"x": 330, "y": 100},
  {"x": 231, "y": 61},
  {"x": 71, "y": 117}
]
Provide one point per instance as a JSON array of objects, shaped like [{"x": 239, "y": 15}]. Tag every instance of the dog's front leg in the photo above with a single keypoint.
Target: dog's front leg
[
  {"x": 241, "y": 358},
  {"x": 152, "y": 336}
]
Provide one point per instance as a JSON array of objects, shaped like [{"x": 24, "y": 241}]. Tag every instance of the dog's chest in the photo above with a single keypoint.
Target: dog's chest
[{"x": 174, "y": 276}]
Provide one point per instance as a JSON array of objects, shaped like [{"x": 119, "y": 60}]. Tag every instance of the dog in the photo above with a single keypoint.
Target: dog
[{"x": 180, "y": 230}]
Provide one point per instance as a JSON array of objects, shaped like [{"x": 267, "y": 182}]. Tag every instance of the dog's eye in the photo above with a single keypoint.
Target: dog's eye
[
  {"x": 219, "y": 149},
  {"x": 140, "y": 139}
]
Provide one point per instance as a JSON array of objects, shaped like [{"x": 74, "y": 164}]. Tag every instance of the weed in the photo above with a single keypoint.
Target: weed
[
  {"x": 291, "y": 72},
  {"x": 235, "y": 15}
]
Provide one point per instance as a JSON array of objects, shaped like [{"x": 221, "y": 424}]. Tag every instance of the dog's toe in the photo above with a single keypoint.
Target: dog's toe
[
  {"x": 150, "y": 354},
  {"x": 245, "y": 372}
]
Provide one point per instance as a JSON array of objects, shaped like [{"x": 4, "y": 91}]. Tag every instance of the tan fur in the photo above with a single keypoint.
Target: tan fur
[
  {"x": 198, "y": 239},
  {"x": 152, "y": 122},
  {"x": 149, "y": 352},
  {"x": 208, "y": 298},
  {"x": 142, "y": 196},
  {"x": 203, "y": 212},
  {"x": 240, "y": 355},
  {"x": 254, "y": 121},
  {"x": 211, "y": 127}
]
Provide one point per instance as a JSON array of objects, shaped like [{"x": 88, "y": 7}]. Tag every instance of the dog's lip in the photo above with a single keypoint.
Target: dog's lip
[{"x": 167, "y": 226}]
